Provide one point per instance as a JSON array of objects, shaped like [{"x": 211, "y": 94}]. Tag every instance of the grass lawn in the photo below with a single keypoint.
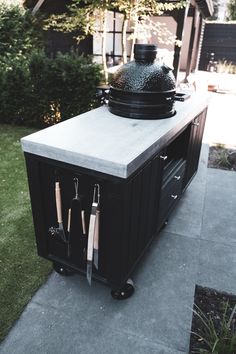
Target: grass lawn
[{"x": 21, "y": 270}]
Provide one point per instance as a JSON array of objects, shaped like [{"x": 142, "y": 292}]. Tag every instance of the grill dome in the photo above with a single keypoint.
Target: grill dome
[{"x": 143, "y": 89}]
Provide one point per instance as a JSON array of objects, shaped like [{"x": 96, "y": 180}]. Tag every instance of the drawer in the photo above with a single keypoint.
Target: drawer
[
  {"x": 171, "y": 192},
  {"x": 175, "y": 175}
]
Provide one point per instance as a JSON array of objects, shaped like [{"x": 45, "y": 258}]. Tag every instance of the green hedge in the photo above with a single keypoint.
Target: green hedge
[
  {"x": 36, "y": 90},
  {"x": 20, "y": 33},
  {"x": 40, "y": 91}
]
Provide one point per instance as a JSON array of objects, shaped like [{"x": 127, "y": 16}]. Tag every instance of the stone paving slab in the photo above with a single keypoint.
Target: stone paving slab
[
  {"x": 156, "y": 319},
  {"x": 217, "y": 266},
  {"x": 219, "y": 221},
  {"x": 58, "y": 334},
  {"x": 221, "y": 122}
]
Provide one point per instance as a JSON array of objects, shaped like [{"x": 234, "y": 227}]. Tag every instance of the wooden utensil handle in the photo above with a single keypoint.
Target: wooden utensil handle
[
  {"x": 83, "y": 221},
  {"x": 69, "y": 220},
  {"x": 96, "y": 231},
  {"x": 90, "y": 237},
  {"x": 58, "y": 202}
]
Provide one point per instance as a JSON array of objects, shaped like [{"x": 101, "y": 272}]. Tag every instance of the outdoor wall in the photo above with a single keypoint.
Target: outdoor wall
[
  {"x": 113, "y": 40},
  {"x": 170, "y": 23},
  {"x": 219, "y": 38},
  {"x": 165, "y": 51}
]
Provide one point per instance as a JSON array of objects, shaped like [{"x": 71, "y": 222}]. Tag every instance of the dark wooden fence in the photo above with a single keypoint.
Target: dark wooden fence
[{"x": 219, "y": 38}]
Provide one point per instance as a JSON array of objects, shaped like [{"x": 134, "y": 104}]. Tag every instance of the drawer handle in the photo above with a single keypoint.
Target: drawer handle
[
  {"x": 163, "y": 157},
  {"x": 196, "y": 124},
  {"x": 177, "y": 177},
  {"x": 174, "y": 196}
]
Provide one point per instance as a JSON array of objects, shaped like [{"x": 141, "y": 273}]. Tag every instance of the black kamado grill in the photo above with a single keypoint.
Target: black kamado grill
[{"x": 143, "y": 89}]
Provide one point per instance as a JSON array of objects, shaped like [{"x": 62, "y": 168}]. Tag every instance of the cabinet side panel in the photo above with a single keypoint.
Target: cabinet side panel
[
  {"x": 194, "y": 149},
  {"x": 144, "y": 209},
  {"x": 131, "y": 220},
  {"x": 114, "y": 226},
  {"x": 36, "y": 193},
  {"x": 136, "y": 186}
]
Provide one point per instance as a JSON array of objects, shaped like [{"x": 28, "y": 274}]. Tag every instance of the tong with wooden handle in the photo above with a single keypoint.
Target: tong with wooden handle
[{"x": 93, "y": 234}]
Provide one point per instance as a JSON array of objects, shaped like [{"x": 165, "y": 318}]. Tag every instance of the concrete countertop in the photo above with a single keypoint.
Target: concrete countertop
[{"x": 103, "y": 142}]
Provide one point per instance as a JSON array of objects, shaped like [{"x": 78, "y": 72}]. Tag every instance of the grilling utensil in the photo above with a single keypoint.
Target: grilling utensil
[
  {"x": 60, "y": 228},
  {"x": 96, "y": 232},
  {"x": 68, "y": 230},
  {"x": 93, "y": 233},
  {"x": 75, "y": 227}
]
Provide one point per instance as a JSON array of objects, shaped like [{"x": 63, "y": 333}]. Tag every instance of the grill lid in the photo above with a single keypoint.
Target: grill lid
[{"x": 143, "y": 89}]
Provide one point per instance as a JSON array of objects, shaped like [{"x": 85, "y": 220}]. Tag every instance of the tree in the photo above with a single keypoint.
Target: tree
[
  {"x": 139, "y": 13},
  {"x": 90, "y": 17},
  {"x": 231, "y": 10},
  {"x": 84, "y": 17},
  {"x": 20, "y": 33}
]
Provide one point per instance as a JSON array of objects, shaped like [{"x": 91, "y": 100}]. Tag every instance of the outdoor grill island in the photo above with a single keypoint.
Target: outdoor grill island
[{"x": 102, "y": 187}]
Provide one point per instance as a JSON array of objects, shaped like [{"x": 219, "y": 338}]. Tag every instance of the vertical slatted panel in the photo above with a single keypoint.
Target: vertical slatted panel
[
  {"x": 219, "y": 38},
  {"x": 33, "y": 173},
  {"x": 143, "y": 209},
  {"x": 135, "y": 215},
  {"x": 113, "y": 228},
  {"x": 126, "y": 229},
  {"x": 144, "y": 236},
  {"x": 194, "y": 147},
  {"x": 156, "y": 177}
]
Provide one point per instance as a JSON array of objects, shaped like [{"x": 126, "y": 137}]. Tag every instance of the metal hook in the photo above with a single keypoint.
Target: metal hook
[{"x": 76, "y": 182}]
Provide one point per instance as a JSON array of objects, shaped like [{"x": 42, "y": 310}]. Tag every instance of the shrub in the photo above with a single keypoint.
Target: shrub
[
  {"x": 220, "y": 337},
  {"x": 36, "y": 90},
  {"x": 14, "y": 92},
  {"x": 67, "y": 82},
  {"x": 20, "y": 33},
  {"x": 41, "y": 91},
  {"x": 223, "y": 66}
]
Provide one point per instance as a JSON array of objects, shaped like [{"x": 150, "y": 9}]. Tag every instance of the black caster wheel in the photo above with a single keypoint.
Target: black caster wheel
[
  {"x": 125, "y": 292},
  {"x": 62, "y": 270}
]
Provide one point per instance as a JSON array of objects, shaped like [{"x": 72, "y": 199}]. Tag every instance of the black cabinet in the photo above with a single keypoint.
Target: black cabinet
[
  {"x": 132, "y": 210},
  {"x": 128, "y": 221}
]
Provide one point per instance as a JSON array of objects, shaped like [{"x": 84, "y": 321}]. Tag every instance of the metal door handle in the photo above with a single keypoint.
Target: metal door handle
[
  {"x": 163, "y": 157},
  {"x": 174, "y": 196},
  {"x": 196, "y": 124},
  {"x": 177, "y": 177}
]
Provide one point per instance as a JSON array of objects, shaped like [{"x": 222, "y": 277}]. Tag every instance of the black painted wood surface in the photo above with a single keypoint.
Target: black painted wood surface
[{"x": 133, "y": 210}]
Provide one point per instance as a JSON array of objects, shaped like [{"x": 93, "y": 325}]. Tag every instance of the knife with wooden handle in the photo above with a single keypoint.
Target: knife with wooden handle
[
  {"x": 68, "y": 230},
  {"x": 83, "y": 221},
  {"x": 91, "y": 242},
  {"x": 59, "y": 212},
  {"x": 96, "y": 239}
]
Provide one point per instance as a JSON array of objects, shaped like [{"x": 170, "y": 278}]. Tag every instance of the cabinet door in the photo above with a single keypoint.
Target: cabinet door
[{"x": 194, "y": 148}]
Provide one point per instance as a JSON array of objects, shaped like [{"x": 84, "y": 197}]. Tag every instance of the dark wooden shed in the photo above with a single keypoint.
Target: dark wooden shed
[{"x": 220, "y": 39}]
